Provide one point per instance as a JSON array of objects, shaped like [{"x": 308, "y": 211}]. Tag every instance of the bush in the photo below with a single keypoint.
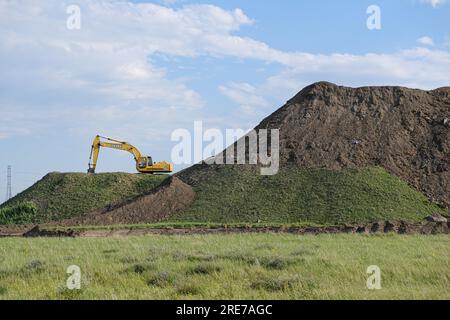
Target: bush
[
  {"x": 189, "y": 288},
  {"x": 21, "y": 213},
  {"x": 205, "y": 269},
  {"x": 275, "y": 284},
  {"x": 162, "y": 279}
]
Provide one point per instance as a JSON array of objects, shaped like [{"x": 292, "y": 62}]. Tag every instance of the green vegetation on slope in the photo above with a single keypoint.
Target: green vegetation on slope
[
  {"x": 229, "y": 194},
  {"x": 65, "y": 195},
  {"x": 245, "y": 266},
  {"x": 234, "y": 194},
  {"x": 21, "y": 213}
]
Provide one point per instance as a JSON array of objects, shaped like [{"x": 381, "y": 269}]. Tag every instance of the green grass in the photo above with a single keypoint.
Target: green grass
[
  {"x": 236, "y": 194},
  {"x": 244, "y": 266},
  {"x": 229, "y": 194},
  {"x": 65, "y": 195}
]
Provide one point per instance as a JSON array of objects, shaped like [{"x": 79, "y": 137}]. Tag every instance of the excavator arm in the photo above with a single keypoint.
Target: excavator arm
[
  {"x": 143, "y": 164},
  {"x": 95, "y": 150}
]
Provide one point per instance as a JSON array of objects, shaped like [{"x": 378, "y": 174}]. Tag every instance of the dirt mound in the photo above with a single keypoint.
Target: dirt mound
[
  {"x": 325, "y": 126},
  {"x": 59, "y": 196},
  {"x": 171, "y": 196},
  {"x": 406, "y": 131}
]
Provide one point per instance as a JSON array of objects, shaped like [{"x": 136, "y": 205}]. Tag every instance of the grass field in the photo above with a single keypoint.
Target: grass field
[{"x": 244, "y": 266}]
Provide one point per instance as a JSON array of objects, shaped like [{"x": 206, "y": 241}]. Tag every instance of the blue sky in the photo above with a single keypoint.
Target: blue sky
[{"x": 139, "y": 70}]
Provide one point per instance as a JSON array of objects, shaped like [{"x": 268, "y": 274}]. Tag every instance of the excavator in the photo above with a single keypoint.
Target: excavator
[{"x": 144, "y": 164}]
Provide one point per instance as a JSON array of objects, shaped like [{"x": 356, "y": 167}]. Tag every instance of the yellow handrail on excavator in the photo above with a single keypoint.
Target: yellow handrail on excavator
[{"x": 143, "y": 164}]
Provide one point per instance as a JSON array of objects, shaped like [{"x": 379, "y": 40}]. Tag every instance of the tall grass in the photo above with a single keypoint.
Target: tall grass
[{"x": 245, "y": 266}]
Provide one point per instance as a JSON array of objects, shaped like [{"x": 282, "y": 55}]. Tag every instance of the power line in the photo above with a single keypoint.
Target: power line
[{"x": 8, "y": 184}]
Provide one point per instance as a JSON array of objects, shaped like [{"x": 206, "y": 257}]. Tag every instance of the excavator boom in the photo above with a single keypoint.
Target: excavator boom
[{"x": 143, "y": 164}]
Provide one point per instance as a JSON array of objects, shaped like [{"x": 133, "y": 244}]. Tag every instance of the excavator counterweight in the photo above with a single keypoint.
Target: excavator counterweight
[{"x": 144, "y": 164}]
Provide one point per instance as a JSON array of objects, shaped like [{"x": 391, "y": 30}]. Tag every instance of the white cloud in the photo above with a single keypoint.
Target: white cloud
[
  {"x": 250, "y": 101},
  {"x": 103, "y": 77},
  {"x": 435, "y": 3},
  {"x": 425, "y": 40},
  {"x": 47, "y": 68}
]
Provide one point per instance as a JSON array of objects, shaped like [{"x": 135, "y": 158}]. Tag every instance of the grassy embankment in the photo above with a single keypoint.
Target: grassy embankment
[
  {"x": 233, "y": 194},
  {"x": 65, "y": 195}
]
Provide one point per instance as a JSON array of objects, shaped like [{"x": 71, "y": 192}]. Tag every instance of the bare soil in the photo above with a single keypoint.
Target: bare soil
[
  {"x": 15, "y": 230},
  {"x": 400, "y": 227}
]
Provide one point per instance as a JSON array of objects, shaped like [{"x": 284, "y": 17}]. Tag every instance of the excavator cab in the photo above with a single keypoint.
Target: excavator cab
[
  {"x": 146, "y": 165},
  {"x": 145, "y": 162}
]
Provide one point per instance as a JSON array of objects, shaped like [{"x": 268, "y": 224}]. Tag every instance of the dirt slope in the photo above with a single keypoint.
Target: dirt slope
[{"x": 406, "y": 131}]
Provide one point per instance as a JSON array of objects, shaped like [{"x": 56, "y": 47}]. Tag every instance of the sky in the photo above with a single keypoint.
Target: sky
[{"x": 139, "y": 70}]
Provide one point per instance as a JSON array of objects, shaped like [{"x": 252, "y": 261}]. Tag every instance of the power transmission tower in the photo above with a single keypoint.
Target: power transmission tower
[{"x": 8, "y": 184}]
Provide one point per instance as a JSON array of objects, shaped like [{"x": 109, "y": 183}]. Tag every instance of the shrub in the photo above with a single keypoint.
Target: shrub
[
  {"x": 33, "y": 266},
  {"x": 205, "y": 269},
  {"x": 21, "y": 213},
  {"x": 162, "y": 279},
  {"x": 141, "y": 268},
  {"x": 270, "y": 284},
  {"x": 189, "y": 288},
  {"x": 275, "y": 263}
]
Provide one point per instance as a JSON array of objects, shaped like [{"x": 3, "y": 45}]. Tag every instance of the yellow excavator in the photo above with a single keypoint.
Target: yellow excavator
[{"x": 143, "y": 164}]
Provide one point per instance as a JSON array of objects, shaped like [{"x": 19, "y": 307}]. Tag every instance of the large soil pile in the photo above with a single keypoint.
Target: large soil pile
[
  {"x": 333, "y": 140},
  {"x": 406, "y": 131}
]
